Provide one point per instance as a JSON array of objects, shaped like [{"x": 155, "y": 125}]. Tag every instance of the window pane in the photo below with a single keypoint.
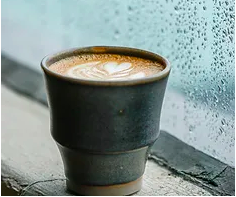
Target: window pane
[{"x": 196, "y": 36}]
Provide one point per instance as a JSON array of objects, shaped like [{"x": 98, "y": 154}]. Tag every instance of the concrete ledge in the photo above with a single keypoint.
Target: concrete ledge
[
  {"x": 171, "y": 153},
  {"x": 203, "y": 170}
]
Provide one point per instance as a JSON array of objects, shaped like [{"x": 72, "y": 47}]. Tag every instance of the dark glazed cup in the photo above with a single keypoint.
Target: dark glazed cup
[{"x": 104, "y": 129}]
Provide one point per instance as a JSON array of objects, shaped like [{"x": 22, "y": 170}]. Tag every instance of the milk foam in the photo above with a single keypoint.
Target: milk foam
[
  {"x": 105, "y": 70},
  {"x": 106, "y": 67}
]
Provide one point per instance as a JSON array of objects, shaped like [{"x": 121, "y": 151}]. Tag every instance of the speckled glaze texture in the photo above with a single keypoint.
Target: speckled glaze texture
[
  {"x": 104, "y": 129},
  {"x": 103, "y": 169}
]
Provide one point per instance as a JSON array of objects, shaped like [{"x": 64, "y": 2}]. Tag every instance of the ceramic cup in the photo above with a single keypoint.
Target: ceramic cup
[{"x": 104, "y": 129}]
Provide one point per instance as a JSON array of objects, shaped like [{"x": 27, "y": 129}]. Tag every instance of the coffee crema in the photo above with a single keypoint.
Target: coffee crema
[{"x": 106, "y": 67}]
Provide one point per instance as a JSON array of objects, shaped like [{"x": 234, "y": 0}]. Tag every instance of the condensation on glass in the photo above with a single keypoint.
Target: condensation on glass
[{"x": 196, "y": 36}]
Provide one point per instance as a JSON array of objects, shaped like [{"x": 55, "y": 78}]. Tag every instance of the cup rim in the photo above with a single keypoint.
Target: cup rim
[{"x": 52, "y": 58}]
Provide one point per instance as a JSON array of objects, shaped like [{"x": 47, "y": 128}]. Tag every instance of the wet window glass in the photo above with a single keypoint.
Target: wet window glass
[{"x": 196, "y": 36}]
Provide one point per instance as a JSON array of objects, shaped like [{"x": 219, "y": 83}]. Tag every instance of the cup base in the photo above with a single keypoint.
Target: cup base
[{"x": 110, "y": 190}]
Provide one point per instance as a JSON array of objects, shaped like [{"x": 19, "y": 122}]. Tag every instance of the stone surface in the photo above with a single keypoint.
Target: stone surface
[
  {"x": 31, "y": 164},
  {"x": 214, "y": 175},
  {"x": 202, "y": 169}
]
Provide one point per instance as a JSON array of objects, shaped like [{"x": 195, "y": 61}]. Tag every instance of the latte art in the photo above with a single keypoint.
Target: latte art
[
  {"x": 105, "y": 70},
  {"x": 106, "y": 67}
]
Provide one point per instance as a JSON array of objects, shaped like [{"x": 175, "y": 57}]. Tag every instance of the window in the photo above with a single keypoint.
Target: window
[{"x": 196, "y": 36}]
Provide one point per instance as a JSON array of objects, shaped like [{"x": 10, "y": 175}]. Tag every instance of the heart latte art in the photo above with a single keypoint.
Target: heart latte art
[
  {"x": 107, "y": 70},
  {"x": 106, "y": 67}
]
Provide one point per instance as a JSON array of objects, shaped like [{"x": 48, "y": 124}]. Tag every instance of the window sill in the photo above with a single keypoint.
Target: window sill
[{"x": 31, "y": 163}]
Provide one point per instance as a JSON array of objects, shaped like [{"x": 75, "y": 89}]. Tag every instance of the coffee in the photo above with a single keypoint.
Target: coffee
[{"x": 106, "y": 67}]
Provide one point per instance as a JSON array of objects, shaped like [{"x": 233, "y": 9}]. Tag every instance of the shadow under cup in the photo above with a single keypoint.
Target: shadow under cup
[{"x": 104, "y": 129}]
